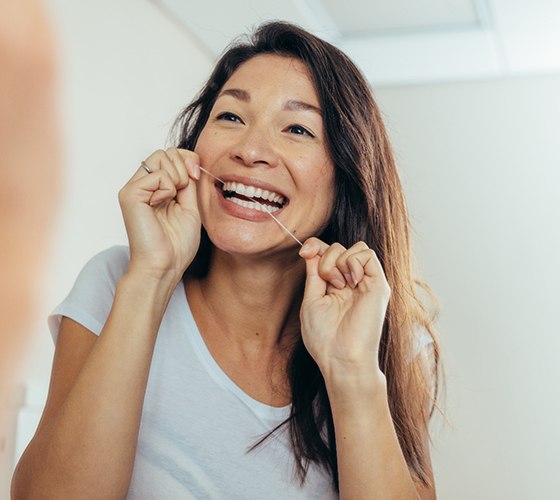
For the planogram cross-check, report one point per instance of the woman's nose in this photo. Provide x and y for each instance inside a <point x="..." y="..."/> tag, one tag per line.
<point x="255" y="147"/>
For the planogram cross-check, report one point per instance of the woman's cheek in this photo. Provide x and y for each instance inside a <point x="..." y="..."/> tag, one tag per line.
<point x="209" y="146"/>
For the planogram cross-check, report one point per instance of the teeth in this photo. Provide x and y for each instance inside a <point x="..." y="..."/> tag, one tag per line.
<point x="253" y="192"/>
<point x="254" y="206"/>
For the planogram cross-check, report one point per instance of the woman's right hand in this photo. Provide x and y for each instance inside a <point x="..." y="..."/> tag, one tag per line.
<point x="161" y="215"/>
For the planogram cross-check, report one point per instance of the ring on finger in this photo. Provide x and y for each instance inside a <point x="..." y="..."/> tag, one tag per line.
<point x="145" y="167"/>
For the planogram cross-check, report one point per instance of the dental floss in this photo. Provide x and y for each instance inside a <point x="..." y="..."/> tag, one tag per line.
<point x="258" y="203"/>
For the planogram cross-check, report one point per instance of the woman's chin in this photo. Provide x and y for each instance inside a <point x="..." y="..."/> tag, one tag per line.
<point x="234" y="240"/>
<point x="238" y="242"/>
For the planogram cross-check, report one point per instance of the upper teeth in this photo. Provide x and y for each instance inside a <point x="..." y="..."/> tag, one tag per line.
<point x="253" y="192"/>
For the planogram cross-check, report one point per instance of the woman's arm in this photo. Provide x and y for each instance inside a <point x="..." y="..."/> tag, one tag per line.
<point x="86" y="441"/>
<point x="371" y="464"/>
<point x="342" y="316"/>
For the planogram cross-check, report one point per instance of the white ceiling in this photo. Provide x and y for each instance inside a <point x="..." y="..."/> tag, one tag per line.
<point x="399" y="42"/>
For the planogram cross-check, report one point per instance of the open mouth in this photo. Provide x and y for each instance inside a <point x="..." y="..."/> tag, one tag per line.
<point x="253" y="197"/>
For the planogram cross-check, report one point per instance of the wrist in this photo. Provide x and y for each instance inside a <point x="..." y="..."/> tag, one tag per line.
<point x="154" y="275"/>
<point x="352" y="383"/>
<point x="343" y="371"/>
<point x="356" y="399"/>
<point x="146" y="286"/>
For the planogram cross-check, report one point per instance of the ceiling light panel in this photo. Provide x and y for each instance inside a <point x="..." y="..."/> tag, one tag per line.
<point x="378" y="17"/>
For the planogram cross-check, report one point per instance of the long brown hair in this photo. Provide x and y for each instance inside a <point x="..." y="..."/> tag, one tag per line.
<point x="368" y="205"/>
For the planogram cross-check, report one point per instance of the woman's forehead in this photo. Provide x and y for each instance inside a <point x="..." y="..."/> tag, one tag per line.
<point x="285" y="74"/>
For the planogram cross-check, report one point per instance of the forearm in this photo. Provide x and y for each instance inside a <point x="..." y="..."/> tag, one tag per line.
<point x="87" y="449"/>
<point x="371" y="464"/>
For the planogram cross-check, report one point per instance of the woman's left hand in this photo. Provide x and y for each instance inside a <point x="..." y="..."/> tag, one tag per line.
<point x="344" y="306"/>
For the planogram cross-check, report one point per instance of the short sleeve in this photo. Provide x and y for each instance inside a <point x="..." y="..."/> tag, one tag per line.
<point x="91" y="298"/>
<point x="422" y="340"/>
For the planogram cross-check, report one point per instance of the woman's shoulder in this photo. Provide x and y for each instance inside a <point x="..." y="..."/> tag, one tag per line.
<point x="107" y="266"/>
<point x="90" y="298"/>
<point x="421" y="342"/>
<point x="113" y="260"/>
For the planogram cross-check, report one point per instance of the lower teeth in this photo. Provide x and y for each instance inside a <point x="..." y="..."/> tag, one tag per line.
<point x="255" y="205"/>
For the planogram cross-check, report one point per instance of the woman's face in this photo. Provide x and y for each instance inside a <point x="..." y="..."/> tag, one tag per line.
<point x="265" y="139"/>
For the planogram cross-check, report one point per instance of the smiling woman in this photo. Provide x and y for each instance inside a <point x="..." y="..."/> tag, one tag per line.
<point x="214" y="357"/>
<point x="256" y="124"/>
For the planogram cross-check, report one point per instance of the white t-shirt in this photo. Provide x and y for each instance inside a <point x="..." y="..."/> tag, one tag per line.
<point x="196" y="422"/>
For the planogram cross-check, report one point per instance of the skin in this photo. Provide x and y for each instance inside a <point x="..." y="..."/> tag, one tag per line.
<point x="254" y="136"/>
<point x="29" y="172"/>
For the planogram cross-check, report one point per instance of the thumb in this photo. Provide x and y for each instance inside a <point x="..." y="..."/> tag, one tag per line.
<point x="315" y="286"/>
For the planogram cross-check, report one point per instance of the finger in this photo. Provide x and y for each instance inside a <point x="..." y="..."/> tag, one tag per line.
<point x="313" y="246"/>
<point x="154" y="188"/>
<point x="343" y="265"/>
<point x="367" y="268"/>
<point x="315" y="286"/>
<point x="166" y="163"/>
<point x="327" y="266"/>
<point x="187" y="197"/>
<point x="356" y="269"/>
<point x="142" y="172"/>
<point x="153" y="162"/>
<point x="166" y="192"/>
<point x="180" y="168"/>
<point x="191" y="161"/>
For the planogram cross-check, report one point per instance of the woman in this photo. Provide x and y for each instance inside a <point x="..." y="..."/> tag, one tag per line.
<point x="231" y="363"/>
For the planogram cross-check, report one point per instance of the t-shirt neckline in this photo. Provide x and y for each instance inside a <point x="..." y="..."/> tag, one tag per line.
<point x="267" y="412"/>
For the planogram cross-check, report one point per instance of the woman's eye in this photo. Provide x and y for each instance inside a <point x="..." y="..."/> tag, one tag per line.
<point x="299" y="130"/>
<point x="230" y="117"/>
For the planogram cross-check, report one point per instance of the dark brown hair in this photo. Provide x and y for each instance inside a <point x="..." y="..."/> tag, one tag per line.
<point x="368" y="206"/>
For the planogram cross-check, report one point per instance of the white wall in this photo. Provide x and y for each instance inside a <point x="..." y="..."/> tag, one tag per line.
<point x="480" y="164"/>
<point x="127" y="71"/>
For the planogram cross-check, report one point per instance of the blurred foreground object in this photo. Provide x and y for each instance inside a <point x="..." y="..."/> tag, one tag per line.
<point x="29" y="171"/>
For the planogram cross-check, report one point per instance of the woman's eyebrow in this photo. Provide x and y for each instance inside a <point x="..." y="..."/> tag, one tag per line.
<point x="293" y="105"/>
<point x="290" y="105"/>
<point x="242" y="95"/>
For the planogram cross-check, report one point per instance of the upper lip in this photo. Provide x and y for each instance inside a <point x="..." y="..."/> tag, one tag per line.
<point x="248" y="181"/>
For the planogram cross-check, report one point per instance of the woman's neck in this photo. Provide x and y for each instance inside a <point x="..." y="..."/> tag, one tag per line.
<point x="255" y="302"/>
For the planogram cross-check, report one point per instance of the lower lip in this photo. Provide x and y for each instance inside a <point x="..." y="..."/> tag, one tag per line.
<point x="240" y="212"/>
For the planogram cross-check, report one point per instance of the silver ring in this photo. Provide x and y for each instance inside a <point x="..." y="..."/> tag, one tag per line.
<point x="145" y="167"/>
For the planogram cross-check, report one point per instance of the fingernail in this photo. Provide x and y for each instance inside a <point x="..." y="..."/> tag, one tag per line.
<point x="354" y="279"/>
<point x="197" y="172"/>
<point x="350" y="279"/>
<point x="304" y="248"/>
<point x="339" y="283"/>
